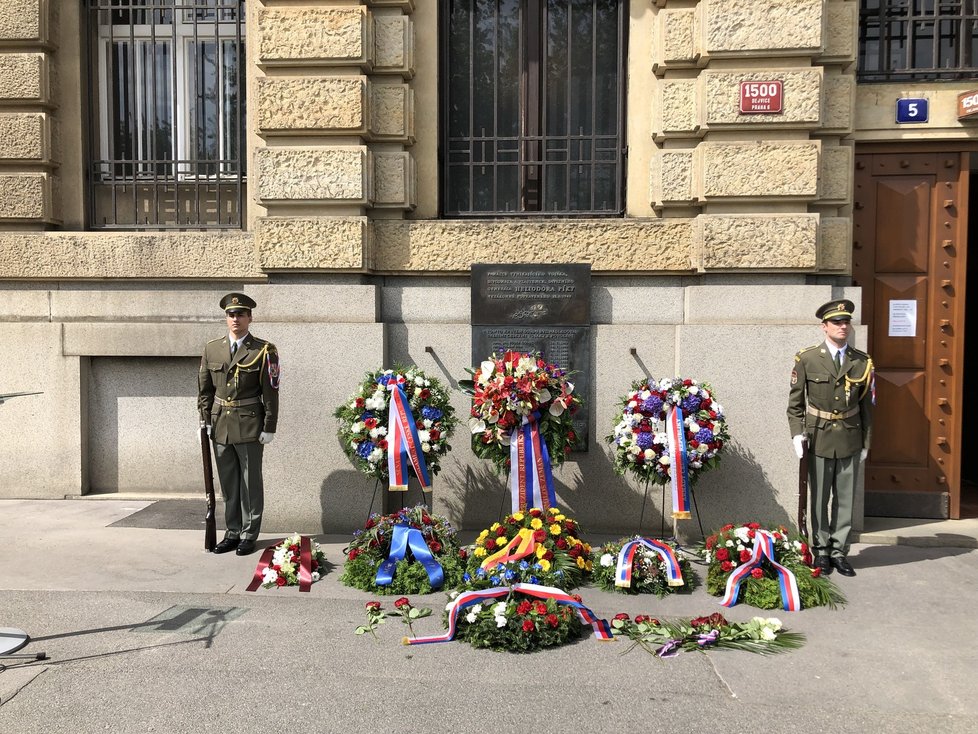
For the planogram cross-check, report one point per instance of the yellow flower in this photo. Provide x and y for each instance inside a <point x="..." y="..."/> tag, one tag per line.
<point x="544" y="564"/>
<point x="555" y="529"/>
<point x="541" y="551"/>
<point x="484" y="533"/>
<point x="536" y="523"/>
<point x="493" y="527"/>
<point x="479" y="552"/>
<point x="553" y="511"/>
<point x="518" y="516"/>
<point x="560" y="518"/>
<point x="588" y="566"/>
<point x="580" y="562"/>
<point x="587" y="548"/>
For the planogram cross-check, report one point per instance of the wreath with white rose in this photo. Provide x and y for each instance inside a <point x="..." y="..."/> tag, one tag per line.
<point x="640" y="439"/>
<point x="364" y="419"/>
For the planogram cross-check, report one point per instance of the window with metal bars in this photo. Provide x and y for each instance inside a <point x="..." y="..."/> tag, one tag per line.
<point x="166" y="114"/>
<point x="906" y="40"/>
<point x="532" y="107"/>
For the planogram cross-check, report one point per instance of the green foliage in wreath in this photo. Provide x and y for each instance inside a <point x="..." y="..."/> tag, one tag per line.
<point x="648" y="571"/>
<point x="731" y="546"/>
<point x="371" y="546"/>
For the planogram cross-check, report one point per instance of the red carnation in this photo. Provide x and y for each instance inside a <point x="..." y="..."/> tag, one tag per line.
<point x="726" y="566"/>
<point x="402" y="602"/>
<point x="723" y="554"/>
<point x="360" y="402"/>
<point x="713" y="414"/>
<point x="574" y="552"/>
<point x="751" y="533"/>
<point x="373" y="606"/>
<point x="539" y="607"/>
<point x="561" y="543"/>
<point x="639" y="618"/>
<point x="535" y="512"/>
<point x="500" y="531"/>
<point x="370" y="423"/>
<point x="725" y="528"/>
<point x="523" y="607"/>
<point x="711" y="542"/>
<point x="490" y="545"/>
<point x="552" y="620"/>
<point x="425" y="393"/>
<point x="539" y="535"/>
<point x="435" y="546"/>
<point x="816" y="572"/>
<point x="434" y="434"/>
<point x="570" y="525"/>
<point x="687" y="382"/>
<point x="280" y="581"/>
<point x="754" y="525"/>
<point x="757" y="573"/>
<point x="528" y="625"/>
<point x="354" y="552"/>
<point x="370" y="523"/>
<point x="462" y="553"/>
<point x="548" y="556"/>
<point x="382" y="444"/>
<point x="622" y="617"/>
<point x="744" y="556"/>
<point x="571" y="436"/>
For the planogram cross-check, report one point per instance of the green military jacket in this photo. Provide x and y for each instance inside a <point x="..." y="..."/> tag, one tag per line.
<point x="833" y="408"/>
<point x="238" y="397"/>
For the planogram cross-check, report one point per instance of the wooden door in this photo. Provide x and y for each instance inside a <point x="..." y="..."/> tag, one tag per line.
<point x="909" y="246"/>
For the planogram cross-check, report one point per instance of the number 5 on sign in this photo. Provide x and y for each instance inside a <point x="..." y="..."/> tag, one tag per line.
<point x="911" y="110"/>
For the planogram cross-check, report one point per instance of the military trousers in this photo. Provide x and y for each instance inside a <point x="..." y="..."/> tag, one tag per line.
<point x="832" y="484"/>
<point x="239" y="471"/>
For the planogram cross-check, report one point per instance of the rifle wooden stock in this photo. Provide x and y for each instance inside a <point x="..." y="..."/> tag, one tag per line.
<point x="803" y="492"/>
<point x="210" y="522"/>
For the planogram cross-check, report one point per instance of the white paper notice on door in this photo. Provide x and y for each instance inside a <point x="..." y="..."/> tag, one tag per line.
<point x="903" y="318"/>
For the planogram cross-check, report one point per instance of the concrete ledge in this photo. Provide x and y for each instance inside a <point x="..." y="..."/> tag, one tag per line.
<point x="17" y="304"/>
<point x="759" y="304"/>
<point x="136" y="340"/>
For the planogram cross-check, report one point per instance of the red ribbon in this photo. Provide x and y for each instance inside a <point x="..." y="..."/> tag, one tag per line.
<point x="305" y="564"/>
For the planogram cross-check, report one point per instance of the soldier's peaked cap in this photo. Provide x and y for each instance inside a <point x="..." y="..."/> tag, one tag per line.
<point x="838" y="309"/>
<point x="237" y="301"/>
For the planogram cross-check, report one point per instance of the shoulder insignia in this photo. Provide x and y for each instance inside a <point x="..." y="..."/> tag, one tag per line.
<point x="858" y="352"/>
<point x="802" y="351"/>
<point x="219" y="339"/>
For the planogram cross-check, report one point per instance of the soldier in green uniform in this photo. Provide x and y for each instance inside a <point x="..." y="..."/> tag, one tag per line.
<point x="238" y="402"/>
<point x="830" y="406"/>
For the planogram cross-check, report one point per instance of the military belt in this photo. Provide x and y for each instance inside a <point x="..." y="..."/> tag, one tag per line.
<point x="832" y="416"/>
<point x="237" y="403"/>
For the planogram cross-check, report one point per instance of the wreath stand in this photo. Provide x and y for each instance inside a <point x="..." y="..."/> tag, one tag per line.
<point x="662" y="526"/>
<point x="424" y="499"/>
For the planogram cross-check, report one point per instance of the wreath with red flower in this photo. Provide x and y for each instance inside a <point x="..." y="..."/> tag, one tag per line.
<point x="516" y="386"/>
<point x="371" y="546"/>
<point x="640" y="438"/>
<point x="364" y="419"/>
<point x="649" y="574"/>
<point x="732" y="546"/>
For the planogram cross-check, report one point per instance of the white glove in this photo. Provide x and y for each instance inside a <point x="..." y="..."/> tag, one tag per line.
<point x="265" y="438"/>
<point x="799" y="442"/>
<point x="208" y="429"/>
<point x="863" y="454"/>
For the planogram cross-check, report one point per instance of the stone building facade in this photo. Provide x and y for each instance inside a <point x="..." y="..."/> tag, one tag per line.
<point x="734" y="228"/>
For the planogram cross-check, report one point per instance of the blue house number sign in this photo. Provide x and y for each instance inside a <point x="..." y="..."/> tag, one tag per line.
<point x="911" y="110"/>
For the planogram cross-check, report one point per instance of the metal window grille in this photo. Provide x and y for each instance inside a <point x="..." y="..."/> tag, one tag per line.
<point x="532" y="107"/>
<point x="166" y="114"/>
<point x="906" y="40"/>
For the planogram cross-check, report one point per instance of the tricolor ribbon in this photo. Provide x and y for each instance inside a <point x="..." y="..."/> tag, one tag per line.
<point x="678" y="463"/>
<point x="405" y="537"/>
<point x="626" y="556"/>
<point x="531" y="478"/>
<point x="469" y="598"/>
<point x="305" y="564"/>
<point x="403" y="444"/>
<point x="763" y="547"/>
<point x="518" y="548"/>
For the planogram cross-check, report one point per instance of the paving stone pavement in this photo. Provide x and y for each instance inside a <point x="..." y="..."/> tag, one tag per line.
<point x="147" y="633"/>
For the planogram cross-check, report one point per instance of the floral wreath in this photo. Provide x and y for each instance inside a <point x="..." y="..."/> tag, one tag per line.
<point x="371" y="546"/>
<point x="732" y="546"/>
<point x="649" y="575"/>
<point x="552" y="553"/>
<point x="283" y="570"/>
<point x="667" y="638"/>
<point x="507" y="389"/>
<point x="364" y="419"/>
<point x="518" y="623"/>
<point x="641" y="441"/>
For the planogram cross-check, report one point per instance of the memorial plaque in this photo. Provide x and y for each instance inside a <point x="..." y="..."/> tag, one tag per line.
<point x="537" y="308"/>
<point x="531" y="294"/>
<point x="568" y="347"/>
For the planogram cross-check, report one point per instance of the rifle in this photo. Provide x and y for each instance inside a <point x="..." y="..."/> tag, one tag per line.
<point x="803" y="492"/>
<point x="210" y="522"/>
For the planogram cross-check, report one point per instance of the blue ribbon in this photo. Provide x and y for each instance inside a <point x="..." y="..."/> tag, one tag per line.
<point x="405" y="537"/>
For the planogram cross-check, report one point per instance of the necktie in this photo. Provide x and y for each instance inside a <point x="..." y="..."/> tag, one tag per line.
<point x="838" y="360"/>
<point x="234" y="348"/>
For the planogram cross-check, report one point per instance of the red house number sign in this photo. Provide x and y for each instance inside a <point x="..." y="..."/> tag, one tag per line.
<point x="761" y="97"/>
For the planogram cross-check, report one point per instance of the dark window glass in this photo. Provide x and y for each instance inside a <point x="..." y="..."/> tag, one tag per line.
<point x="532" y="120"/>
<point x="166" y="113"/>
<point x="906" y="40"/>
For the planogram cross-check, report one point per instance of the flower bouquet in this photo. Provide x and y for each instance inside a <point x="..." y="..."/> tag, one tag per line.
<point x="732" y="550"/>
<point x="369" y="553"/>
<point x="666" y="639"/>
<point x="283" y="568"/>
<point x="655" y="568"/>
<point x="365" y="420"/>
<point x="641" y="441"/>
<point x="536" y="546"/>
